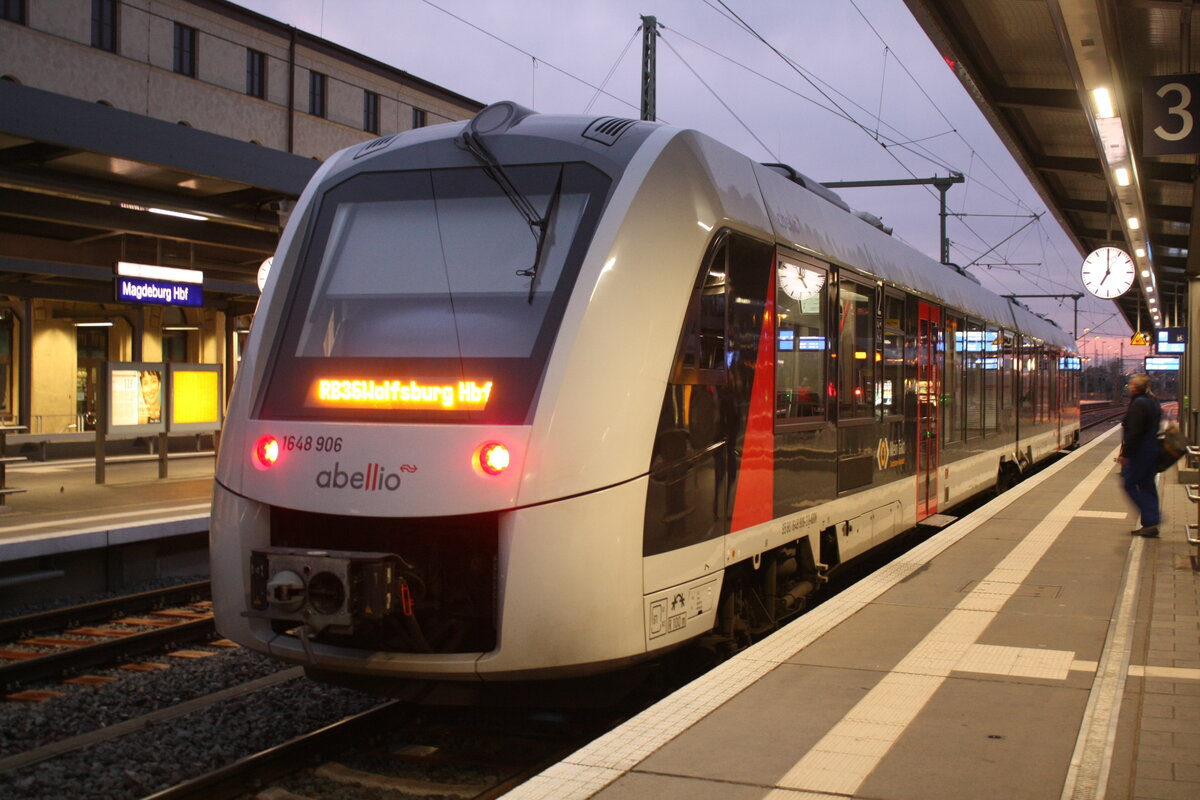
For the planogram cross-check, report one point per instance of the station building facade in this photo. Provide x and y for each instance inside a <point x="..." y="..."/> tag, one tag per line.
<point x="167" y="133"/>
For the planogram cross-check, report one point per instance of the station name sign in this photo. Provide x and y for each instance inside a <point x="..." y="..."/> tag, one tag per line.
<point x="169" y="286"/>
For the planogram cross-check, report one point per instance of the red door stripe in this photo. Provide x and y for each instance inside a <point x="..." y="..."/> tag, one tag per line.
<point x="754" y="501"/>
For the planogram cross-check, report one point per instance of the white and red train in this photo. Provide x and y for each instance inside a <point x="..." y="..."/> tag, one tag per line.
<point x="540" y="396"/>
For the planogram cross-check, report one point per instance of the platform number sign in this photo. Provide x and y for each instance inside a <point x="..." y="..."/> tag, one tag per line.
<point x="1171" y="114"/>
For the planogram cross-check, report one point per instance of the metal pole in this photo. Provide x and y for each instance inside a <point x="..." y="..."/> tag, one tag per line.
<point x="649" y="45"/>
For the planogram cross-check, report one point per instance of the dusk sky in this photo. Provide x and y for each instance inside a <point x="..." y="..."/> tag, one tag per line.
<point x="865" y="97"/>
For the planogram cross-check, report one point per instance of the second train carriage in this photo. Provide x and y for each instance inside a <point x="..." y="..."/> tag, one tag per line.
<point x="538" y="396"/>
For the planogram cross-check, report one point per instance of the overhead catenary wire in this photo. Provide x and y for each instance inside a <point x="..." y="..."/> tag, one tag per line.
<point x="612" y="70"/>
<point x="722" y="102"/>
<point x="526" y="53"/>
<point x="731" y="15"/>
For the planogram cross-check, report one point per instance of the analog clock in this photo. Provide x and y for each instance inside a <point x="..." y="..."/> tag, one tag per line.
<point x="1108" y="272"/>
<point x="800" y="282"/>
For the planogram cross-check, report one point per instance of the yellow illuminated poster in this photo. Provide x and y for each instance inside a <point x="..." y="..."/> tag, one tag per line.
<point x="195" y="397"/>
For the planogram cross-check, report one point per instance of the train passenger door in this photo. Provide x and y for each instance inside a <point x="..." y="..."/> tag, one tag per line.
<point x="929" y="387"/>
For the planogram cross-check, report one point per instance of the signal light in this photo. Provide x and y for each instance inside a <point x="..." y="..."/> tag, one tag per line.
<point x="494" y="458"/>
<point x="265" y="452"/>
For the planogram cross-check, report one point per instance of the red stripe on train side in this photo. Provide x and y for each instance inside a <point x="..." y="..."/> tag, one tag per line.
<point x="754" y="501"/>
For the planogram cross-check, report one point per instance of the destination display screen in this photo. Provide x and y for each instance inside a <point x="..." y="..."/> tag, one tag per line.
<point x="399" y="393"/>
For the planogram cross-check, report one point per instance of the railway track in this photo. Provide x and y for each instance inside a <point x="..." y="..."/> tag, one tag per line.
<point x="427" y="752"/>
<point x="1098" y="415"/>
<point x="62" y="642"/>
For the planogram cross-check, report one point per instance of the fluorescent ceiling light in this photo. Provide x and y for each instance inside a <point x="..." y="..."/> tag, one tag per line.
<point x="1134" y="223"/>
<point x="182" y="215"/>
<point x="1104" y="104"/>
<point x="181" y="327"/>
<point x="1122" y="175"/>
<point x="93" y="324"/>
<point x="1141" y="251"/>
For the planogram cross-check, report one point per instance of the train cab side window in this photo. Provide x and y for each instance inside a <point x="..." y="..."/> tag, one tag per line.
<point x="801" y="292"/>
<point x="889" y="390"/>
<point x="700" y="357"/>
<point x="855" y="349"/>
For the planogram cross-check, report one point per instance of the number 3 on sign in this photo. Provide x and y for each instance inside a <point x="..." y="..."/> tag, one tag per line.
<point x="1177" y="110"/>
<point x="1168" y="118"/>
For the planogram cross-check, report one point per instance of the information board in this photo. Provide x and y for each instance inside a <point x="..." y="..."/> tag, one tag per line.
<point x="134" y="394"/>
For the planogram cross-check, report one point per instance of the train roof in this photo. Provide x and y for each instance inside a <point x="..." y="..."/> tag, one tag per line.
<point x="804" y="214"/>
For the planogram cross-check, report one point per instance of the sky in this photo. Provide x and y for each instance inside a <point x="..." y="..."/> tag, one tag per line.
<point x="842" y="90"/>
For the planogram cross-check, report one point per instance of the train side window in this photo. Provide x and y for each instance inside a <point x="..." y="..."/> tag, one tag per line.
<point x="701" y="352"/>
<point x="952" y="395"/>
<point x="973" y="378"/>
<point x="856" y="349"/>
<point x="801" y="292"/>
<point x="991" y="379"/>
<point x="889" y="390"/>
<point x="1027" y="381"/>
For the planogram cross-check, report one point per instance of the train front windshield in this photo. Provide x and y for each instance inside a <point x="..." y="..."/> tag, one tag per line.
<point x="418" y="297"/>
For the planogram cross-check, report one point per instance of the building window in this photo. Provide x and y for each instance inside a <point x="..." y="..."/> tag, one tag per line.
<point x="13" y="11"/>
<point x="104" y="25"/>
<point x="185" y="50"/>
<point x="418" y="118"/>
<point x="256" y="73"/>
<point x="370" y="112"/>
<point x="316" y="94"/>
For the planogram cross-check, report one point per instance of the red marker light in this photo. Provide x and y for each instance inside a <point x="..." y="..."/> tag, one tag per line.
<point x="265" y="452"/>
<point x="493" y="458"/>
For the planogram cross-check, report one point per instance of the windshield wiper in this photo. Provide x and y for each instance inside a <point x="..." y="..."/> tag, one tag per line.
<point x="544" y="226"/>
<point x="539" y="225"/>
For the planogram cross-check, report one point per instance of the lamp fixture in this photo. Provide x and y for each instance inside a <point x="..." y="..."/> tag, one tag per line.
<point x="1104" y="104"/>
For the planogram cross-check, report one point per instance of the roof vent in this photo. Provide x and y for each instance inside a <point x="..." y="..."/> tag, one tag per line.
<point x="606" y="130"/>
<point x="372" y="146"/>
<point x="800" y="179"/>
<point x="873" y="221"/>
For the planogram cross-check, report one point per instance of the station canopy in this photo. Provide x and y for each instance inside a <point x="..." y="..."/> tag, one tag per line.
<point x="1040" y="71"/>
<point x="84" y="185"/>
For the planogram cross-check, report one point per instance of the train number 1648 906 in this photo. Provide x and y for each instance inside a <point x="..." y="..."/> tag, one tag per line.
<point x="322" y="444"/>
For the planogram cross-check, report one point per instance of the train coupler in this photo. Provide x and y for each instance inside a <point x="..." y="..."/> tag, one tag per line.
<point x="327" y="589"/>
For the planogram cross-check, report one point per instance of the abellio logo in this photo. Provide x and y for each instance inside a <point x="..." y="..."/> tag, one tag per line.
<point x="374" y="478"/>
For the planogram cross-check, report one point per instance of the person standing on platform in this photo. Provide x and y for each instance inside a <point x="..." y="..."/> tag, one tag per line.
<point x="1139" y="453"/>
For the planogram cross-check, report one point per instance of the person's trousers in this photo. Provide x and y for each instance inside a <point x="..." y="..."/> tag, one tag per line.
<point x="1138" y="477"/>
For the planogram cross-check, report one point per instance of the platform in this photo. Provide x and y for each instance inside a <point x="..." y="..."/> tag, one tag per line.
<point x="1034" y="649"/>
<point x="64" y="510"/>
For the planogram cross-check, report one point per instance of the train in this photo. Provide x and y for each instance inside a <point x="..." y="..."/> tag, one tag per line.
<point x="532" y="397"/>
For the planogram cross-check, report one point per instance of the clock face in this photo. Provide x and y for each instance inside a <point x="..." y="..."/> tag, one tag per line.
<point x="1108" y="272"/>
<point x="799" y="282"/>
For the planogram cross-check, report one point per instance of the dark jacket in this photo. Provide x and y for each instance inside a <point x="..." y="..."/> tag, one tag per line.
<point x="1141" y="427"/>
